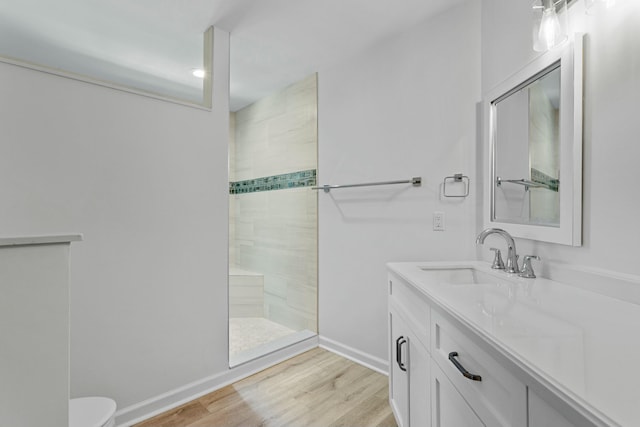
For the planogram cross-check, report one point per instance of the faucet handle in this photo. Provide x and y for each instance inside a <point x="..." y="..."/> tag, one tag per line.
<point x="498" y="264"/>
<point x="527" y="269"/>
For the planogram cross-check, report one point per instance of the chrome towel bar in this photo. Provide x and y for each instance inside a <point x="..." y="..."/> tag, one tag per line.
<point x="526" y="183"/>
<point x="416" y="181"/>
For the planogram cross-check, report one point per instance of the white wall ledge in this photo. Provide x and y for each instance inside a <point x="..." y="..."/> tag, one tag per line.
<point x="40" y="240"/>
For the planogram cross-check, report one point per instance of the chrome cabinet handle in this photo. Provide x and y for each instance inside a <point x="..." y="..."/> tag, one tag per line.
<point x="463" y="371"/>
<point x="401" y="340"/>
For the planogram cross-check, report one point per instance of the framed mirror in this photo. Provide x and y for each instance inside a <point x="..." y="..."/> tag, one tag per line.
<point x="533" y="136"/>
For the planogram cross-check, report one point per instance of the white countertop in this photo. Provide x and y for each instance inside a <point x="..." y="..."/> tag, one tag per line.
<point x="581" y="344"/>
<point x="39" y="240"/>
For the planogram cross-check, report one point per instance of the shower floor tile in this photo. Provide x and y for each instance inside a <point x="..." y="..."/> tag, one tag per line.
<point x="247" y="333"/>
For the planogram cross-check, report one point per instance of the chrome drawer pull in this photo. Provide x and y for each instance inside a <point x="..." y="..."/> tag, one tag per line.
<point x="463" y="371"/>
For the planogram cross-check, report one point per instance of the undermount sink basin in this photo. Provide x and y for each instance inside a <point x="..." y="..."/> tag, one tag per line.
<point x="505" y="304"/>
<point x="463" y="275"/>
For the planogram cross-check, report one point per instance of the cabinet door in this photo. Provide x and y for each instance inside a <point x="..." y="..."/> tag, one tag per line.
<point x="449" y="409"/>
<point x="419" y="384"/>
<point x="398" y="372"/>
<point x="541" y="414"/>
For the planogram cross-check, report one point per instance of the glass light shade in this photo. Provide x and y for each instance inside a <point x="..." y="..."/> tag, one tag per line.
<point x="594" y="7"/>
<point x="550" y="24"/>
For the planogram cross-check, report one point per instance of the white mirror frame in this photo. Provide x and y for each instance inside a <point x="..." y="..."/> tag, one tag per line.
<point x="570" y="230"/>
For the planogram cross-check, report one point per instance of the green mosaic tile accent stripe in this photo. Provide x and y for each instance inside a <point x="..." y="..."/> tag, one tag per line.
<point x="542" y="178"/>
<point x="276" y="182"/>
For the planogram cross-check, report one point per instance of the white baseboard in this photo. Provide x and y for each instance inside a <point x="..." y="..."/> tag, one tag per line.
<point x="371" y="362"/>
<point x="146" y="409"/>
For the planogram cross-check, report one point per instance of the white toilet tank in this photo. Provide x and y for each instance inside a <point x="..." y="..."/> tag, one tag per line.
<point x="92" y="412"/>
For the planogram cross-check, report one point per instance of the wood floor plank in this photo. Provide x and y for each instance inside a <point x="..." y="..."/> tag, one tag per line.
<point x="337" y="395"/>
<point x="274" y="394"/>
<point x="372" y="411"/>
<point x="388" y="421"/>
<point x="180" y="416"/>
<point x="314" y="389"/>
<point x="327" y="395"/>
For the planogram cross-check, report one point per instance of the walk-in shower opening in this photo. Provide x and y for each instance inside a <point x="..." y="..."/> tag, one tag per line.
<point x="273" y="246"/>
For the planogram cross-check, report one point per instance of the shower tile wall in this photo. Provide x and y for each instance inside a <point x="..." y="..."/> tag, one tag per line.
<point x="274" y="232"/>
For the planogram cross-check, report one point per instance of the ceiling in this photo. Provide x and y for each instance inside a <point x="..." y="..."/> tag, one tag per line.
<point x="273" y="42"/>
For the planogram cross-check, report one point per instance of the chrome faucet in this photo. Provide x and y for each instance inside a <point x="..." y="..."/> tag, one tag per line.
<point x="512" y="257"/>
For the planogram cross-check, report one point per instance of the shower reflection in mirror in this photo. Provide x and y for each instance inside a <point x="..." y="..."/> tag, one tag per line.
<point x="527" y="151"/>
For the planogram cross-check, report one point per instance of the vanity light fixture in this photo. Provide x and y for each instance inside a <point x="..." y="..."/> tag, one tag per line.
<point x="550" y="24"/>
<point x="198" y="72"/>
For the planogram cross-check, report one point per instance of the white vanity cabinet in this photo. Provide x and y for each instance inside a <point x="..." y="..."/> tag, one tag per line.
<point x="398" y="363"/>
<point x="469" y="346"/>
<point x="442" y="375"/>
<point x="409" y="385"/>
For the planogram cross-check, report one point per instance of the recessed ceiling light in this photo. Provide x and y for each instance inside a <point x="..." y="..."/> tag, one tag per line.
<point x="198" y="72"/>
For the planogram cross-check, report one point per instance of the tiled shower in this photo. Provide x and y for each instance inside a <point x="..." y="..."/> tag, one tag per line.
<point x="273" y="246"/>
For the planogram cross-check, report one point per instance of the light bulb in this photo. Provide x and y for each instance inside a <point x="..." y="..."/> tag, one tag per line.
<point x="550" y="24"/>
<point x="549" y="28"/>
<point x="198" y="72"/>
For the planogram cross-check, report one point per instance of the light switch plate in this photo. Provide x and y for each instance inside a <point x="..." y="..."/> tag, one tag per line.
<point x="438" y="221"/>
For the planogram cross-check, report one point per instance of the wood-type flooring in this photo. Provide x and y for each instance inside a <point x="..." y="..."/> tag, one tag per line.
<point x="314" y="389"/>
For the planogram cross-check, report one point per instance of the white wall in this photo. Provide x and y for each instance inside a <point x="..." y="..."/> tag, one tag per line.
<point x="146" y="182"/>
<point x="611" y="126"/>
<point x="403" y="108"/>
